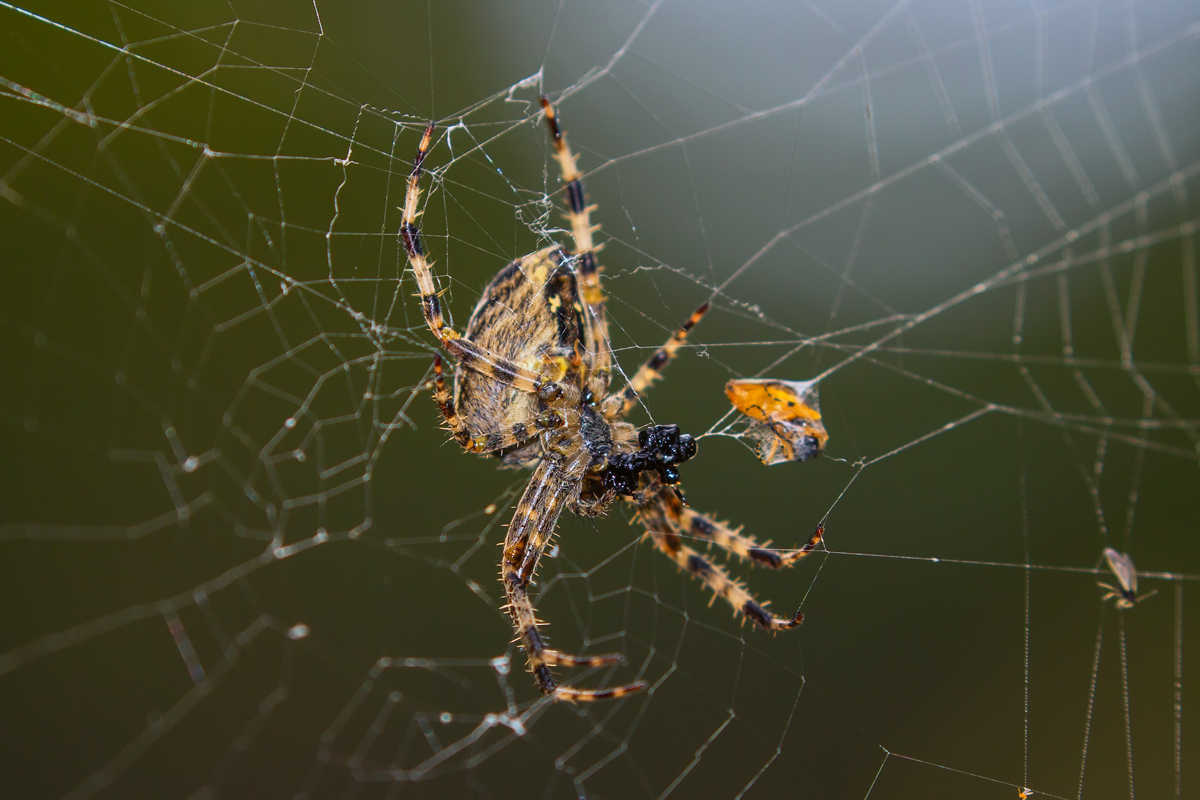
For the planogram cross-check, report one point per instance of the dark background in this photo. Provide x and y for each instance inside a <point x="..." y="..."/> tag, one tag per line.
<point x="214" y="428"/>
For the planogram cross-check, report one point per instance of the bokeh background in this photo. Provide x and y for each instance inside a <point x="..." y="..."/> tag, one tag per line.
<point x="238" y="558"/>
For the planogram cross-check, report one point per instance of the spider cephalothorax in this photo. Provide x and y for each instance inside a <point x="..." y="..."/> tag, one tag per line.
<point x="661" y="448"/>
<point x="532" y="388"/>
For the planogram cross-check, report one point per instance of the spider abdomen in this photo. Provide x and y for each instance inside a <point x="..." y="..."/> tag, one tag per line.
<point x="528" y="313"/>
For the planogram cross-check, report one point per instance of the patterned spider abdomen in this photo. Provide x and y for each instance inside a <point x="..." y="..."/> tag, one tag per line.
<point x="529" y="313"/>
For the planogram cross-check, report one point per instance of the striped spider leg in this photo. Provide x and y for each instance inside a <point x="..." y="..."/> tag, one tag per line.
<point x="579" y="216"/>
<point x="651" y="371"/>
<point x="669" y="522"/>
<point x="468" y="352"/>
<point x="556" y="480"/>
<point x="675" y="516"/>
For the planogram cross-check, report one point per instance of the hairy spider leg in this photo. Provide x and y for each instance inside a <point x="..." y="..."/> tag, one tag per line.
<point x="445" y="404"/>
<point x="652" y="370"/>
<point x="667" y="538"/>
<point x="552" y="488"/>
<point x="468" y="353"/>
<point x="596" y="321"/>
<point x="488" y="442"/>
<point x="579" y="215"/>
<point x="701" y="526"/>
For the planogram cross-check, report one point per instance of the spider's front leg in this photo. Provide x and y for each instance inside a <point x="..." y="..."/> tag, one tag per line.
<point x="662" y="520"/>
<point x="684" y="519"/>
<point x="554" y="485"/>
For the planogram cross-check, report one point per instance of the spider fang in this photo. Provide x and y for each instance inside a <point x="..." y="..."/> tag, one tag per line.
<point x="662" y="447"/>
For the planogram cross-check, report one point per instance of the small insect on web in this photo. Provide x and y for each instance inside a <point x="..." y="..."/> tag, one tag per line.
<point x="782" y="418"/>
<point x="1122" y="566"/>
<point x="532" y="388"/>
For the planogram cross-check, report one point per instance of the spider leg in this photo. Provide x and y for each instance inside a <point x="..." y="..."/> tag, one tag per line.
<point x="550" y="490"/>
<point x="445" y="404"/>
<point x="579" y="215"/>
<point x="667" y="537"/>
<point x="685" y="519"/>
<point x="489" y="442"/>
<point x="651" y="371"/>
<point x="468" y="353"/>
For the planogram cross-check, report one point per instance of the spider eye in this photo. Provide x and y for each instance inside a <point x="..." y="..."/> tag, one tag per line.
<point x="589" y="399"/>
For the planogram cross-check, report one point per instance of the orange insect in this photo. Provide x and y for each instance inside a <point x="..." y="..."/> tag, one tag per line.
<point x="785" y="423"/>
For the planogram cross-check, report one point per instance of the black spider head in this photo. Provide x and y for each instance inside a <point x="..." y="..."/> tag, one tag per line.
<point x="662" y="447"/>
<point x="666" y="444"/>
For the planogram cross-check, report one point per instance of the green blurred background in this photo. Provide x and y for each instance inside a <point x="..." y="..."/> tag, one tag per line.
<point x="238" y="559"/>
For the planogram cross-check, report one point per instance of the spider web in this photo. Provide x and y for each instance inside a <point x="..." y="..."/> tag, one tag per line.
<point x="239" y="559"/>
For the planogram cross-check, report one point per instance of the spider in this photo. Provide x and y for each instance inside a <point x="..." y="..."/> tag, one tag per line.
<point x="532" y="388"/>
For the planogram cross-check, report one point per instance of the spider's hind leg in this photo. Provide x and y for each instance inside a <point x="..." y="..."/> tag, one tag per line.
<point x="445" y="404"/>
<point x="579" y="215"/>
<point x="467" y="352"/>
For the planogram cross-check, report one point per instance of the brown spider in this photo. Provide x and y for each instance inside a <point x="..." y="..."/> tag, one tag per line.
<point x="531" y="388"/>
